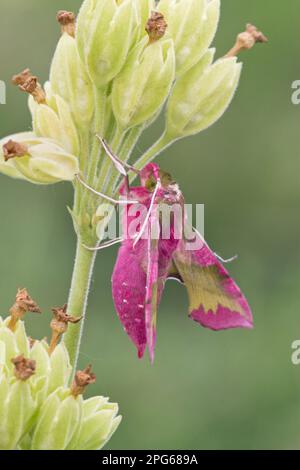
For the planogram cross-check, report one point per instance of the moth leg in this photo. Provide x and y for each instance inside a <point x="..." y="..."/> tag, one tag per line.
<point x="145" y="223"/>
<point x="122" y="167"/>
<point x="104" y="196"/>
<point x="104" y="245"/>
<point x="226" y="261"/>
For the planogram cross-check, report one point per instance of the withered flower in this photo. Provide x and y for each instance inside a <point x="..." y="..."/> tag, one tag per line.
<point x="24" y="368"/>
<point x="13" y="149"/>
<point x="67" y="21"/>
<point x="21" y="77"/>
<point x="247" y="40"/>
<point x="156" y="26"/>
<point x="59" y="324"/>
<point x="29" y="84"/>
<point x="82" y="379"/>
<point x="23" y="304"/>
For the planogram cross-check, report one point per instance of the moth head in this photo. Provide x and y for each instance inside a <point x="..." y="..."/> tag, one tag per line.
<point x="151" y="174"/>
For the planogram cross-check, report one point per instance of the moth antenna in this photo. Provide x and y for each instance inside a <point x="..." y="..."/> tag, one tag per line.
<point x="104" y="196"/>
<point x="104" y="245"/>
<point x="226" y="261"/>
<point x="143" y="228"/>
<point x="122" y="167"/>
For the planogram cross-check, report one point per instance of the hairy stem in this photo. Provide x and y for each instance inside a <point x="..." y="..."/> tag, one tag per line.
<point x="78" y="297"/>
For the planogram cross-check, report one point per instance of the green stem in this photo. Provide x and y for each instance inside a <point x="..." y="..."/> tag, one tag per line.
<point x="161" y="144"/>
<point x="77" y="304"/>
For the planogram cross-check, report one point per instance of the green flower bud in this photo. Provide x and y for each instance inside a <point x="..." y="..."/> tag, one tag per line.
<point x="38" y="411"/>
<point x="70" y="81"/>
<point x="21" y="339"/>
<point x="192" y="24"/>
<point x="56" y="367"/>
<point x="58" y="420"/>
<point x="105" y="33"/>
<point x="9" y="348"/>
<point x="99" y="422"/>
<point x="58" y="126"/>
<point x="201" y="96"/>
<point x="17" y="407"/>
<point x="144" y="9"/>
<point x="37" y="159"/>
<point x="60" y="368"/>
<point x="144" y="84"/>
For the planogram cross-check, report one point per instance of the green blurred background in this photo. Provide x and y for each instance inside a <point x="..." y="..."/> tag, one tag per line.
<point x="228" y="390"/>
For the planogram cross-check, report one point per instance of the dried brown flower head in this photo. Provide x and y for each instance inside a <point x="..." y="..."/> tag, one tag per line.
<point x="22" y="77"/>
<point x="23" y="304"/>
<point x="59" y="324"/>
<point x="13" y="149"/>
<point x="67" y="20"/>
<point x="29" y="84"/>
<point x="156" y="26"/>
<point x="82" y="379"/>
<point x="24" y="368"/>
<point x="247" y="40"/>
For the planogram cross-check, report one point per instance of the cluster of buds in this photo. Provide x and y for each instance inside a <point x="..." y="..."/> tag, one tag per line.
<point x="115" y="67"/>
<point x="38" y="408"/>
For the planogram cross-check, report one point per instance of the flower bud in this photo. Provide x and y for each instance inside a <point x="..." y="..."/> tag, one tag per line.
<point x="56" y="367"/>
<point x="42" y="162"/>
<point x="144" y="84"/>
<point x="16" y="409"/>
<point x="201" y="96"/>
<point x="70" y="81"/>
<point x="99" y="422"/>
<point x="17" y="405"/>
<point x="38" y="411"/>
<point x="144" y="9"/>
<point x="60" y="368"/>
<point x="9" y="347"/>
<point x="58" y="420"/>
<point x="105" y="33"/>
<point x="192" y="26"/>
<point x="56" y="125"/>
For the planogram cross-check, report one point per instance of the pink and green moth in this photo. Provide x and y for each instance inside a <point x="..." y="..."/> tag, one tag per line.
<point x="145" y="263"/>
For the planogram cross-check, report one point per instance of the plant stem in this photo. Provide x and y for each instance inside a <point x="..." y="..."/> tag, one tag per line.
<point x="78" y="297"/>
<point x="162" y="143"/>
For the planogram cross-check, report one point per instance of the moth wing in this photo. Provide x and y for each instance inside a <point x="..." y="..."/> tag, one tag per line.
<point x="216" y="301"/>
<point x="154" y="285"/>
<point x="129" y="288"/>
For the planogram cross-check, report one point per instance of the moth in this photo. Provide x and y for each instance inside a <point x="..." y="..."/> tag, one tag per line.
<point x="146" y="260"/>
